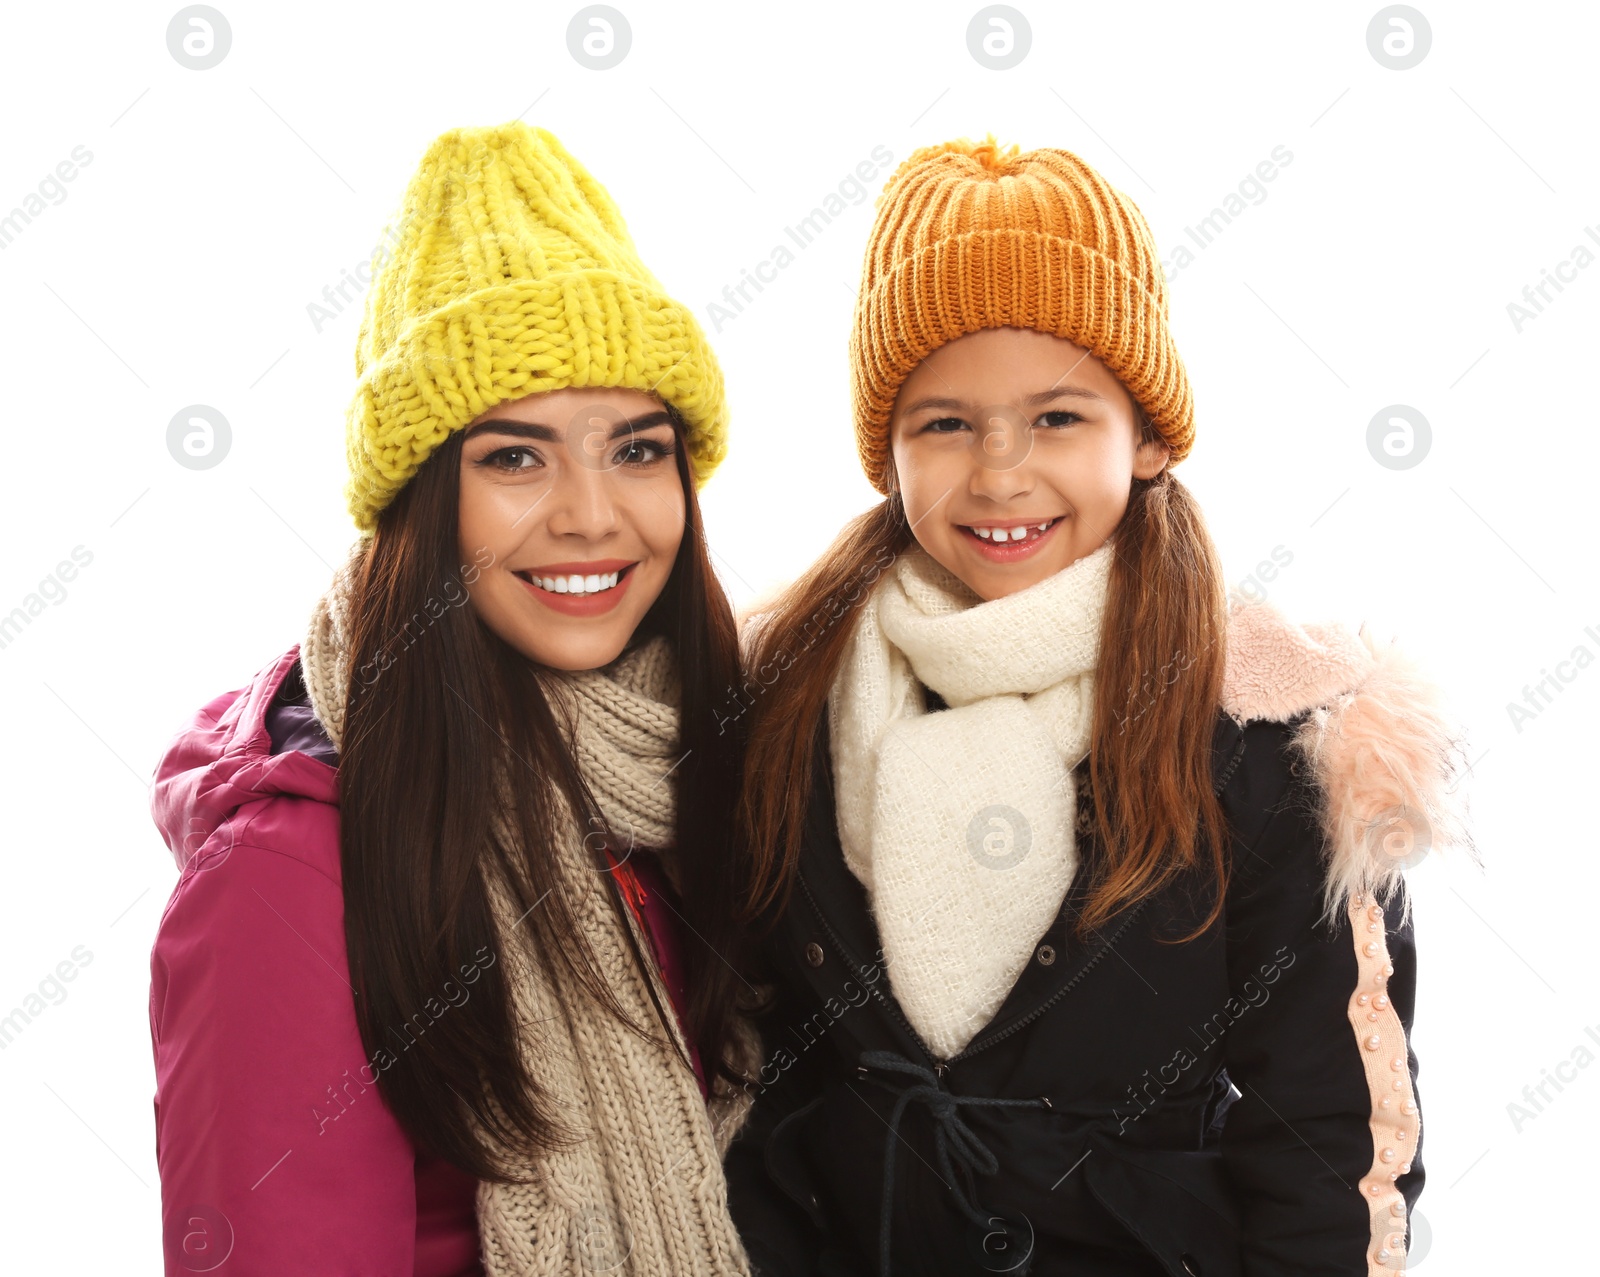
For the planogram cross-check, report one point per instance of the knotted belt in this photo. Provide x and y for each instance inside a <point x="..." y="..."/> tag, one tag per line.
<point x="954" y="1142"/>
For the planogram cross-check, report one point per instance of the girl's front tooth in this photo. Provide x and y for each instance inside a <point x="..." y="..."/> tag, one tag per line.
<point x="574" y="584"/>
<point x="983" y="532"/>
<point x="561" y="585"/>
<point x="591" y="583"/>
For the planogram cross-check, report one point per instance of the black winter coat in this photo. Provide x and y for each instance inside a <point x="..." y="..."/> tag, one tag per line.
<point x="1195" y="1110"/>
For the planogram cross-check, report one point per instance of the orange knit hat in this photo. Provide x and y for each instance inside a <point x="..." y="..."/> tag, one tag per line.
<point x="969" y="236"/>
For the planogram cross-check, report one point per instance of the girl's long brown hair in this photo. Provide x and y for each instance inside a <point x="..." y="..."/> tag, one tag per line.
<point x="438" y="706"/>
<point x="1157" y="691"/>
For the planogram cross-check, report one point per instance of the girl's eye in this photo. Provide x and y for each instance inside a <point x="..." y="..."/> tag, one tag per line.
<point x="519" y="458"/>
<point x="951" y="425"/>
<point x="642" y="452"/>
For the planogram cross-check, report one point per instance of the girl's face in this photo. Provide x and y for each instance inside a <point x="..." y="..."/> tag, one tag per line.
<point x="573" y="499"/>
<point x="1014" y="452"/>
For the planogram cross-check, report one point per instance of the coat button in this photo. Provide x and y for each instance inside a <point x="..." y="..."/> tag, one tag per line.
<point x="1046" y="954"/>
<point x="814" y="954"/>
<point x="1190" y="1264"/>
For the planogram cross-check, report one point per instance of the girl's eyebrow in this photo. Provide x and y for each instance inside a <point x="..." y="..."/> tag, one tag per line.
<point x="1058" y="392"/>
<point x="549" y="434"/>
<point x="1032" y="401"/>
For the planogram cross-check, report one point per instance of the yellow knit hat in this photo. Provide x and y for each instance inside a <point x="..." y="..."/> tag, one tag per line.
<point x="968" y="236"/>
<point x="512" y="273"/>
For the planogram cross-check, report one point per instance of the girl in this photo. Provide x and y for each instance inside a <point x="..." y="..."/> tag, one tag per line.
<point x="445" y="984"/>
<point x="1082" y="883"/>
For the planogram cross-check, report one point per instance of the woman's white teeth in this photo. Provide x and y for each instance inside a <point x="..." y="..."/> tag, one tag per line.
<point x="575" y="584"/>
<point x="1002" y="535"/>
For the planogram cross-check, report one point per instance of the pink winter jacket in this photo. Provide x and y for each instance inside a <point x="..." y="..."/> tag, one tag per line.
<point x="275" y="1159"/>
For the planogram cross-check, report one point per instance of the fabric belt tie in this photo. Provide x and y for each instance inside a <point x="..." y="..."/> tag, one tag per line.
<point x="954" y="1141"/>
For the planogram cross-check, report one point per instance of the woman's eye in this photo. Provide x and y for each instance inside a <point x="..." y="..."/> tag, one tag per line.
<point x="945" y="425"/>
<point x="1061" y="418"/>
<point x="513" y="459"/>
<point x="641" y="452"/>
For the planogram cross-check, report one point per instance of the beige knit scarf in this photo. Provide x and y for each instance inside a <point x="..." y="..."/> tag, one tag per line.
<point x="641" y="1190"/>
<point x="960" y="823"/>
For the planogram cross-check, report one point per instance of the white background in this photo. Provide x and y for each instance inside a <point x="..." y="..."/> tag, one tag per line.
<point x="218" y="204"/>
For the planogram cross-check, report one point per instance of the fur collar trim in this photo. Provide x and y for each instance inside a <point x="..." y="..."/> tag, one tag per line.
<point x="1387" y="758"/>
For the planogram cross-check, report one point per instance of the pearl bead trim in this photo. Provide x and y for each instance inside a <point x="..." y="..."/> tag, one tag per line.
<point x="1395" y="1122"/>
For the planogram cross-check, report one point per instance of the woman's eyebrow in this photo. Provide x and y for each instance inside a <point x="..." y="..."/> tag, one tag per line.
<point x="646" y="422"/>
<point x="549" y="434"/>
<point x="517" y="429"/>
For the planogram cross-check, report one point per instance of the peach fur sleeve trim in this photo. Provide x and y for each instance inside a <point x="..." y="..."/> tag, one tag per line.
<point x="1387" y="759"/>
<point x="1387" y="764"/>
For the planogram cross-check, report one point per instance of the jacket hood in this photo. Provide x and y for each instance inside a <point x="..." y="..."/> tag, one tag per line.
<point x="1373" y="728"/>
<point x="223" y="760"/>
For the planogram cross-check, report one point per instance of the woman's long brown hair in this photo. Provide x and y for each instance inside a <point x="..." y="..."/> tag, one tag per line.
<point x="1157" y="690"/>
<point x="437" y="707"/>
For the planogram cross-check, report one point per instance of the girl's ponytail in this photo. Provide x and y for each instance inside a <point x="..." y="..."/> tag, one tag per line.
<point x="1156" y="696"/>
<point x="792" y="653"/>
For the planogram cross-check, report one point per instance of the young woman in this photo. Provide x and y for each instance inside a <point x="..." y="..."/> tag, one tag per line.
<point x="1082" y="884"/>
<point x="445" y="984"/>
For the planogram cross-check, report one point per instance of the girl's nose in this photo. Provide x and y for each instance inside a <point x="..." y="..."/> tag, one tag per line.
<point x="1000" y="469"/>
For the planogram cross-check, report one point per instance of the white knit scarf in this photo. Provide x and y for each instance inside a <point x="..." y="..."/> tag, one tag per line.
<point x="641" y="1190"/>
<point x="960" y="823"/>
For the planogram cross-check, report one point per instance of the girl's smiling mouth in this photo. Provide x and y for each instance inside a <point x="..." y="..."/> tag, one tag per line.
<point x="1009" y="540"/>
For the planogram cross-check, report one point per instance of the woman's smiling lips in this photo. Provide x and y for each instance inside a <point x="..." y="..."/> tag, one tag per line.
<point x="1010" y="540"/>
<point x="588" y="588"/>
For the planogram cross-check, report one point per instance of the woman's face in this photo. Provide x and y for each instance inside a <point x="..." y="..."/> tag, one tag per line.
<point x="573" y="498"/>
<point x="1014" y="452"/>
